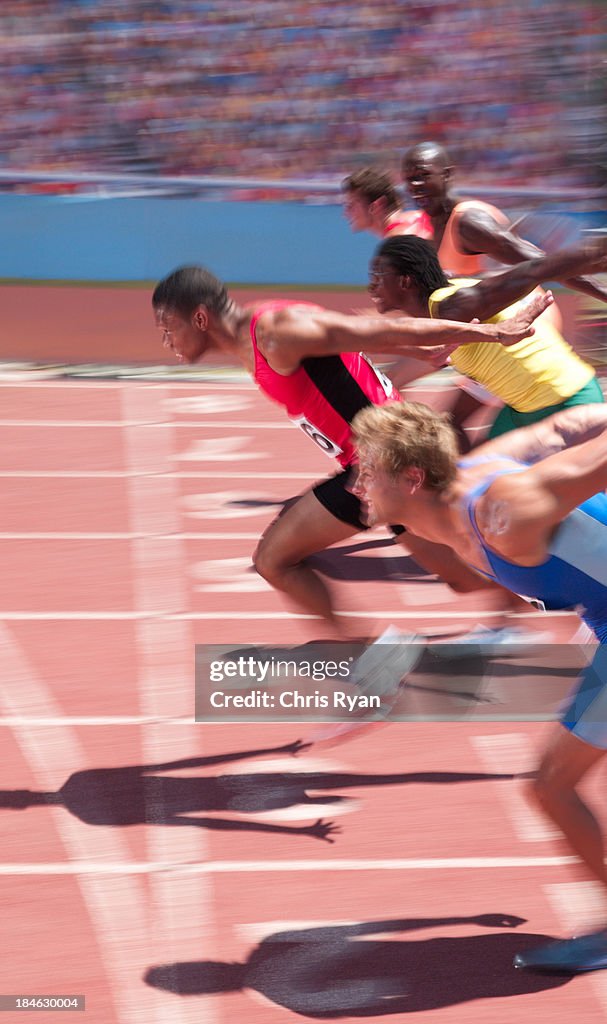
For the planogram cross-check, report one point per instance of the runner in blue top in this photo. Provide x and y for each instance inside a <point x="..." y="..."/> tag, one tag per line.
<point x="526" y="510"/>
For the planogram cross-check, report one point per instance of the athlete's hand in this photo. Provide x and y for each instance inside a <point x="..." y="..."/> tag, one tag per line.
<point x="294" y="748"/>
<point x="437" y="355"/>
<point x="322" y="830"/>
<point x="519" y="326"/>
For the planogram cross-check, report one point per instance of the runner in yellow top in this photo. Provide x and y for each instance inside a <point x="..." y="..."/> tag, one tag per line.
<point x="535" y="377"/>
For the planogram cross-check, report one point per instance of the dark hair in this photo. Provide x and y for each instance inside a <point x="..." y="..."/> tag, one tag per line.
<point x="189" y="287"/>
<point x="373" y="184"/>
<point x="408" y="254"/>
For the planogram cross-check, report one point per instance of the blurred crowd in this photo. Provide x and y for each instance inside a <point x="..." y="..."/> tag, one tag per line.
<point x="279" y="89"/>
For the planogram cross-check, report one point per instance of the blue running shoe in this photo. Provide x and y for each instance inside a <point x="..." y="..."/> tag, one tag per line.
<point x="568" y="956"/>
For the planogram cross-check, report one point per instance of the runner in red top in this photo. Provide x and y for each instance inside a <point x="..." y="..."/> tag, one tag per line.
<point x="308" y="360"/>
<point x="371" y="203"/>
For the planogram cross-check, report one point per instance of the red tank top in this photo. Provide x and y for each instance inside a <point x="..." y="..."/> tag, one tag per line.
<point x="414" y="222"/>
<point x="324" y="393"/>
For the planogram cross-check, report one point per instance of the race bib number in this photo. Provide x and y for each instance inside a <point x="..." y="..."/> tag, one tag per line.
<point x="385" y="382"/>
<point x="328" y="446"/>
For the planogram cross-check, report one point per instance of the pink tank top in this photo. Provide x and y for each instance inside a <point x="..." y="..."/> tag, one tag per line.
<point x="324" y="393"/>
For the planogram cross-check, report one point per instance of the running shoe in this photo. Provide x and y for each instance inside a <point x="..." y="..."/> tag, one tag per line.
<point x="570" y="956"/>
<point x="482" y="642"/>
<point x="380" y="669"/>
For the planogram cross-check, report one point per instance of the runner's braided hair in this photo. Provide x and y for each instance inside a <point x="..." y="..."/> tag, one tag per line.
<point x="415" y="257"/>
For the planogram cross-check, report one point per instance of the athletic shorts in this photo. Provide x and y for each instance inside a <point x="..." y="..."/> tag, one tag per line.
<point x="334" y="495"/>
<point x="586" y="714"/>
<point x="509" y="419"/>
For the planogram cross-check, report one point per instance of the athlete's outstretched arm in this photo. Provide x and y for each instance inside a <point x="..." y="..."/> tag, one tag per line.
<point x="487" y="297"/>
<point x="519" y="511"/>
<point x="481" y="233"/>
<point x="292" y="335"/>
<point x="565" y="429"/>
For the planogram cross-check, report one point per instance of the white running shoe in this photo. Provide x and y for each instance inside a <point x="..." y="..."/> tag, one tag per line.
<point x="482" y="642"/>
<point x="380" y="669"/>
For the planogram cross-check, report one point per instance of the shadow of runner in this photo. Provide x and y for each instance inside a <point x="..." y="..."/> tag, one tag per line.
<point x="331" y="971"/>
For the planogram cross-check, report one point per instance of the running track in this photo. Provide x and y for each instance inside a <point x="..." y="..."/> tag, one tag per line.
<point x="129" y="515"/>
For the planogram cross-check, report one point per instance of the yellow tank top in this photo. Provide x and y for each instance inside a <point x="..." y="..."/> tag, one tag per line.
<point x="539" y="371"/>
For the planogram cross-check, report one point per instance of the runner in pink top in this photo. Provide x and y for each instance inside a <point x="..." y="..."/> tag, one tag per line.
<point x="321" y="394"/>
<point x="308" y="360"/>
<point x="371" y="203"/>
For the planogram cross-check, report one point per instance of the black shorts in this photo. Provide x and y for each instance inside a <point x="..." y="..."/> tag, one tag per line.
<point x="334" y="495"/>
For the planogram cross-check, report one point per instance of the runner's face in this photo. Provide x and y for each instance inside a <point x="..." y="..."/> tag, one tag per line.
<point x="385" y="286"/>
<point x="186" y="341"/>
<point x="427" y="182"/>
<point x="379" y="494"/>
<point x="357" y="212"/>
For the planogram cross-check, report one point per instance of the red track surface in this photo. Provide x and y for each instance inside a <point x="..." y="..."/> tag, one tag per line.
<point x="129" y="515"/>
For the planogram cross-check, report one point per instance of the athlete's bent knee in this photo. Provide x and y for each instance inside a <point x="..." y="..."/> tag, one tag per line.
<point x="269" y="567"/>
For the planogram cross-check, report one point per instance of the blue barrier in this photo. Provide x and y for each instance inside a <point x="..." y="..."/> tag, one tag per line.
<point x="95" y="238"/>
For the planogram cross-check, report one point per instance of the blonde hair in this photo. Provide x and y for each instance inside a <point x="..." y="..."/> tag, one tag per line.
<point x="402" y="434"/>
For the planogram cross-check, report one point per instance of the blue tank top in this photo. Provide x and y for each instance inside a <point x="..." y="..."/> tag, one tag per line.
<point x="575" y="572"/>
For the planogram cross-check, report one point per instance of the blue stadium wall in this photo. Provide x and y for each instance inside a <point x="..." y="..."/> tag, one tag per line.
<point x="141" y="239"/>
<point x="85" y="238"/>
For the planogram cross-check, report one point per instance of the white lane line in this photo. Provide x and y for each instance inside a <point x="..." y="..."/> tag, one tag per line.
<point x="105" y="616"/>
<point x="120" y="474"/>
<point x="115" y="904"/>
<point x="16" y="721"/>
<point x="160" y="424"/>
<point x="137" y="535"/>
<point x="12" y="616"/>
<point x="209" y="382"/>
<point x="180" y="910"/>
<point x="236" y="867"/>
<point x="512" y="752"/>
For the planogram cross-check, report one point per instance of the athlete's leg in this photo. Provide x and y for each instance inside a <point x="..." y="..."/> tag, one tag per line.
<point x="304" y="529"/>
<point x="563" y="766"/>
<point x="576" y="747"/>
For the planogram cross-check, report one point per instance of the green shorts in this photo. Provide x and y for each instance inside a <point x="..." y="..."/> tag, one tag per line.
<point x="509" y="419"/>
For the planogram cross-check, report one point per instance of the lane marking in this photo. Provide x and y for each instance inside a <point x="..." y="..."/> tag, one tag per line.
<point x="158" y="534"/>
<point x="179" y="909"/>
<point x="16" y="721"/>
<point x="148" y="424"/>
<point x="116" y="906"/>
<point x="129" y="867"/>
<point x="108" y="616"/>
<point x="221" y="449"/>
<point x="119" y="474"/>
